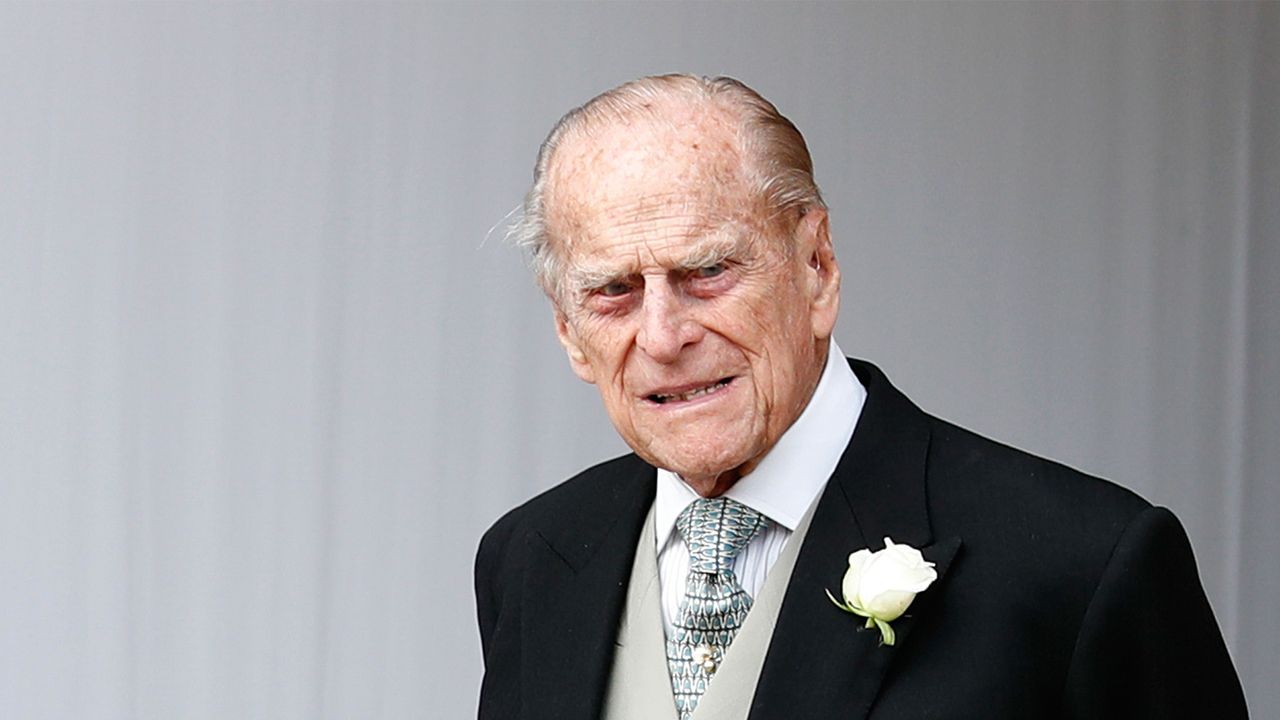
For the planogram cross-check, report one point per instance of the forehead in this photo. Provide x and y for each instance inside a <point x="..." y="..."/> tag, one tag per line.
<point x="660" y="181"/>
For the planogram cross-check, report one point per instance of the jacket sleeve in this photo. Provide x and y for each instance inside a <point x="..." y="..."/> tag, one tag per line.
<point x="498" y="616"/>
<point x="488" y="558"/>
<point x="1149" y="646"/>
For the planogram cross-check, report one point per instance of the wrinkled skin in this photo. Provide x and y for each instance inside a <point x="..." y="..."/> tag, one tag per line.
<point x="681" y="303"/>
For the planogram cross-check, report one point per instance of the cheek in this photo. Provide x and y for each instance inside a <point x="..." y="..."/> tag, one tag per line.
<point x="602" y="342"/>
<point x="766" y="329"/>
<point x="780" y="344"/>
<point x="606" y="349"/>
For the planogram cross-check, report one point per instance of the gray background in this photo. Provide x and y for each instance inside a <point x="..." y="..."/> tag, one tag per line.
<point x="266" y="374"/>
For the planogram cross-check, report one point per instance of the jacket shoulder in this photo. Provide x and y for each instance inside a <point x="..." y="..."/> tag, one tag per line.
<point x="574" y="502"/>
<point x="974" y="480"/>
<point x="971" y="461"/>
<point x="591" y="488"/>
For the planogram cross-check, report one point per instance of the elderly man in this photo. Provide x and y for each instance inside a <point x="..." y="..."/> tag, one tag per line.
<point x="676" y="227"/>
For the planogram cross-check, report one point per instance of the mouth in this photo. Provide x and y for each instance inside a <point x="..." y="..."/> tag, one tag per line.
<point x="690" y="394"/>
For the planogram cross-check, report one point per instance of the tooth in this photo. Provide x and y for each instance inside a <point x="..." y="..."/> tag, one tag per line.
<point x="689" y="394"/>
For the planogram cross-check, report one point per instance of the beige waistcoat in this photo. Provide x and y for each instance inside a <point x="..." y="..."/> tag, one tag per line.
<point x="640" y="687"/>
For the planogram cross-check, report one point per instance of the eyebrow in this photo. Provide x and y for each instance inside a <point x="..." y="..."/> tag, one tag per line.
<point x="585" y="276"/>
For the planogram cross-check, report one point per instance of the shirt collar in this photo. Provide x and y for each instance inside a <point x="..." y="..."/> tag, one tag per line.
<point x="793" y="473"/>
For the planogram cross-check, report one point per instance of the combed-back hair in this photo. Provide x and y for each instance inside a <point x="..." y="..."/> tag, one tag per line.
<point x="779" y="170"/>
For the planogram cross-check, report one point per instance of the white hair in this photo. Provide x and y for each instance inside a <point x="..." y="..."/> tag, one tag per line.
<point x="780" y="169"/>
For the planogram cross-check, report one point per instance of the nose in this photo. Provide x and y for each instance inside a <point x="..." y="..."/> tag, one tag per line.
<point x="665" y="325"/>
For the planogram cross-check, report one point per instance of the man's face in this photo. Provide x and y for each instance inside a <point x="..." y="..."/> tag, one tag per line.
<point x="704" y="335"/>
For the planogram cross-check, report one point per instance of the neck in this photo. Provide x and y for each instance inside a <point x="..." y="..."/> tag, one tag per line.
<point x="715" y="485"/>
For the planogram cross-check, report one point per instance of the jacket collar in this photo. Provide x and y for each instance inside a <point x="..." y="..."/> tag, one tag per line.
<point x="878" y="489"/>
<point x="575" y="590"/>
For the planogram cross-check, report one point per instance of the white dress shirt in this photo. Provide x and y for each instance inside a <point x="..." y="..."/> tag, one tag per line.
<point x="782" y="487"/>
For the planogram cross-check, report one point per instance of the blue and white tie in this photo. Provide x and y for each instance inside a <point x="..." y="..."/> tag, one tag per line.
<point x="714" y="604"/>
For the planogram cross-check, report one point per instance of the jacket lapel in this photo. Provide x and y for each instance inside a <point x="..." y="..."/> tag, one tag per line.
<point x="819" y="664"/>
<point x="575" y="588"/>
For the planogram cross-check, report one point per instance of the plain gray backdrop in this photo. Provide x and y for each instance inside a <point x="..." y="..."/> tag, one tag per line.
<point x="267" y="370"/>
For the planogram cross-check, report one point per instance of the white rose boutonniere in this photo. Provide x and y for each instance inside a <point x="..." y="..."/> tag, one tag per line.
<point x="879" y="586"/>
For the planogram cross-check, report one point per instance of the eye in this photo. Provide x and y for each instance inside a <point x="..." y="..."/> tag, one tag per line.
<point x="707" y="272"/>
<point x="614" y="289"/>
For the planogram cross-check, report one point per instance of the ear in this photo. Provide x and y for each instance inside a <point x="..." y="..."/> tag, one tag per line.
<point x="573" y="348"/>
<point x="821" y="272"/>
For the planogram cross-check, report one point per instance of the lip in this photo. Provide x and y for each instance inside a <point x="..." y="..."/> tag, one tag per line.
<point x="679" y="396"/>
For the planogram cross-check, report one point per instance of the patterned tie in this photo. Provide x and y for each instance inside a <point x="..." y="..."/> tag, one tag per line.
<point x="714" y="604"/>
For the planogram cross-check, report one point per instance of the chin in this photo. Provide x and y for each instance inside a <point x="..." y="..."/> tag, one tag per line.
<point x="704" y="463"/>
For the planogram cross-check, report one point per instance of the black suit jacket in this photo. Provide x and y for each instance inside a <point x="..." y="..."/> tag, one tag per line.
<point x="1059" y="595"/>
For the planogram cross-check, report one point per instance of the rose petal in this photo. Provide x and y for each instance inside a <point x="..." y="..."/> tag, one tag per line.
<point x="877" y="577"/>
<point x="896" y="569"/>
<point x="853" y="576"/>
<point x="890" y="604"/>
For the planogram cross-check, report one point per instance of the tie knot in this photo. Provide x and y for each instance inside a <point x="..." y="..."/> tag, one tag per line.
<point x="716" y="530"/>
